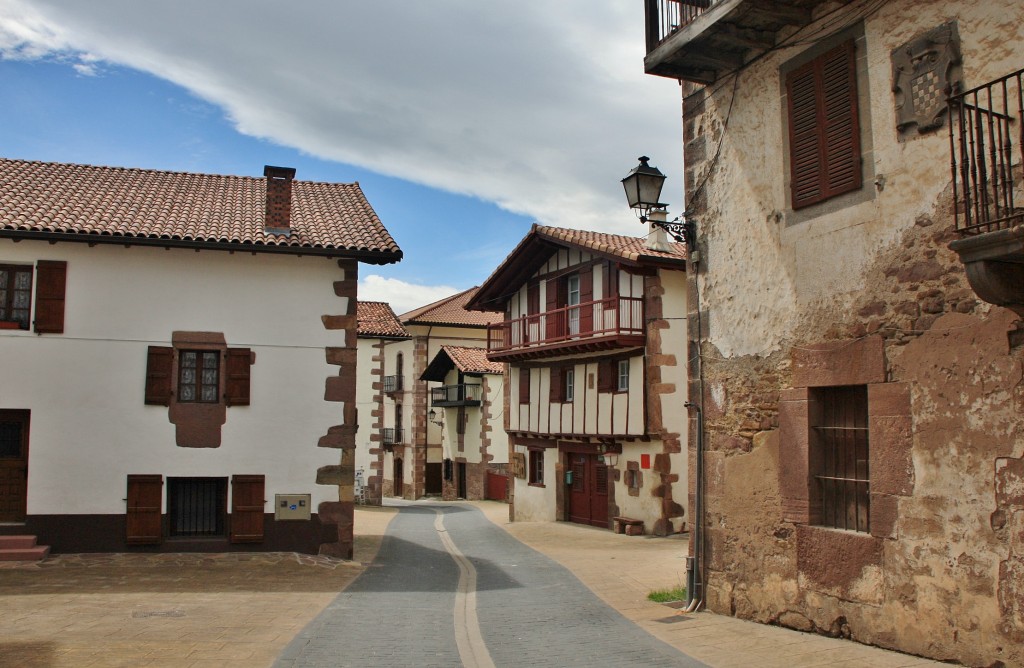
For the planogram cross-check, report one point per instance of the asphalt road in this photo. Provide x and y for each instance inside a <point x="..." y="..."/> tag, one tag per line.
<point x="449" y="588"/>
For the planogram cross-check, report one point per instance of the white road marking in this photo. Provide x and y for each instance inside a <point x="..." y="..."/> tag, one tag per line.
<point x="468" y="639"/>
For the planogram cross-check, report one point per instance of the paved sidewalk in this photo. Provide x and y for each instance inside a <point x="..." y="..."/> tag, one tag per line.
<point x="622" y="570"/>
<point x="235" y="610"/>
<point x="241" y="610"/>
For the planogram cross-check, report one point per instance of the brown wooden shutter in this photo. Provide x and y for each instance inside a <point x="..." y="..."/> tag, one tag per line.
<point x="159" y="366"/>
<point x="236" y="388"/>
<point x="824" y="129"/>
<point x="51" y="282"/>
<point x="143" y="518"/>
<point x="610" y="280"/>
<point x="556" y="392"/>
<point x="524" y="386"/>
<point x="551" y="305"/>
<point x="533" y="299"/>
<point x="586" y="296"/>
<point x="247" y="508"/>
<point x="606" y="376"/>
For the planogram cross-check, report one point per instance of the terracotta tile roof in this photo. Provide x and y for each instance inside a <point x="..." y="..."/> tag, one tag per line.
<point x="627" y="248"/>
<point x="116" y="204"/>
<point x="377" y="319"/>
<point x="541" y="243"/>
<point x="472" y="360"/>
<point x="451" y="311"/>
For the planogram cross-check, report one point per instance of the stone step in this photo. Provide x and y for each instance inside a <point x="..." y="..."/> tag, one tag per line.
<point x="22" y="548"/>
<point x="37" y="553"/>
<point x="17" y="542"/>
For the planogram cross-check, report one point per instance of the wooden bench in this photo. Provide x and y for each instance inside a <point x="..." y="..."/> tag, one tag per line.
<point x="629" y="526"/>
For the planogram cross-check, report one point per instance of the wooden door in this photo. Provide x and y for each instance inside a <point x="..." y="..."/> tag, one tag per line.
<point x="588" y="493"/>
<point x="433" y="478"/>
<point x="13" y="465"/>
<point x="247" y="508"/>
<point x="399" y="477"/>
<point x="143" y="519"/>
<point x="461" y="479"/>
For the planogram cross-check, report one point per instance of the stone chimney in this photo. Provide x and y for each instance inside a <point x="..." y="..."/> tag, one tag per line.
<point x="657" y="237"/>
<point x="279" y="199"/>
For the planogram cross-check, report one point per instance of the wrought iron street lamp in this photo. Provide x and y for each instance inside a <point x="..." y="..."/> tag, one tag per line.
<point x="643" y="190"/>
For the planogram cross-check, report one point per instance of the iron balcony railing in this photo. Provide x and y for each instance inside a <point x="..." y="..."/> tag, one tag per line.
<point x="664" y="17"/>
<point x="614" y="316"/>
<point x="986" y="143"/>
<point x="392" y="384"/>
<point x="466" y="394"/>
<point x="392" y="436"/>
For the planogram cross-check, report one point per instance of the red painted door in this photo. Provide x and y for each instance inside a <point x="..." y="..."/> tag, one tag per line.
<point x="588" y="493"/>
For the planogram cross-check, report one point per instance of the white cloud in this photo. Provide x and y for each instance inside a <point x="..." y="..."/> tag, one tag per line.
<point x="401" y="295"/>
<point x="538" y="106"/>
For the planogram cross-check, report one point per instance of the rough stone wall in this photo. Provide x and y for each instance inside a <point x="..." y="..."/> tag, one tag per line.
<point x="940" y="574"/>
<point x="342" y="389"/>
<point x="419" y="419"/>
<point x="374" y="493"/>
<point x="658" y="393"/>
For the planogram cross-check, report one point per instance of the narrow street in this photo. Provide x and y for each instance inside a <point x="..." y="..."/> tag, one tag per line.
<point x="450" y="588"/>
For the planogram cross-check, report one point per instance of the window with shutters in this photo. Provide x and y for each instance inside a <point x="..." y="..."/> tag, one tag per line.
<point x="536" y="473"/>
<point x="194" y="376"/>
<point x="828" y="127"/>
<point x="524" y="386"/>
<point x="198" y="376"/>
<point x="16" y="296"/>
<point x="622" y="377"/>
<point x="613" y="375"/>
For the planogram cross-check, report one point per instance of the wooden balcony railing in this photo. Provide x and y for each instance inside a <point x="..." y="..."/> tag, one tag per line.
<point x="392" y="384"/>
<point x="392" y="436"/>
<point x="466" y="394"/>
<point x="601" y="319"/>
<point x="664" y="17"/>
<point x="986" y="142"/>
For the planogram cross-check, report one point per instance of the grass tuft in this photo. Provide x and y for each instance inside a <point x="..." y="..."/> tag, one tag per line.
<point x="668" y="595"/>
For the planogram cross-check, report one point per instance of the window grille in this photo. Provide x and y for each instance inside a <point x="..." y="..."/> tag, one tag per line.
<point x="196" y="506"/>
<point x="841" y="444"/>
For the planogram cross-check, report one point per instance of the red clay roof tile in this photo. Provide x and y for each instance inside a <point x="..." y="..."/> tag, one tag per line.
<point x="41" y="198"/>
<point x="451" y="311"/>
<point x="378" y="319"/>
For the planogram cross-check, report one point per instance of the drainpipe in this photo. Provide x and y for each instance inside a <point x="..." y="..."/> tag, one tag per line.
<point x="695" y="584"/>
<point x="695" y="563"/>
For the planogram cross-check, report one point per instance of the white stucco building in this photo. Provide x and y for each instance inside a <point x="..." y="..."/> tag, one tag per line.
<point x="178" y="357"/>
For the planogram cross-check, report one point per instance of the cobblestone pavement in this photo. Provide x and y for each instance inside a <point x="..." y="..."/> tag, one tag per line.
<point x="531" y="611"/>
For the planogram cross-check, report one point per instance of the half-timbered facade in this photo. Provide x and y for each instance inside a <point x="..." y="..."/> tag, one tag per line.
<point x="178" y="356"/>
<point x="594" y="338"/>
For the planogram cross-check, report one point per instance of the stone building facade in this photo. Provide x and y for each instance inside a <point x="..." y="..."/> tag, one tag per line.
<point x="846" y="347"/>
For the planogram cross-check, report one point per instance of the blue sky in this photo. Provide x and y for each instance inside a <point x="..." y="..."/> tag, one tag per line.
<point x="462" y="131"/>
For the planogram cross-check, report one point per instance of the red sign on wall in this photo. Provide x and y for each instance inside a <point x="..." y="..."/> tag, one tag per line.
<point x="645" y="461"/>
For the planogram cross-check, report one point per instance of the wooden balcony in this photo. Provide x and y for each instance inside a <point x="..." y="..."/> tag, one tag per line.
<point x="699" y="40"/>
<point x="604" y="324"/>
<point x="466" y="394"/>
<point x="986" y="143"/>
